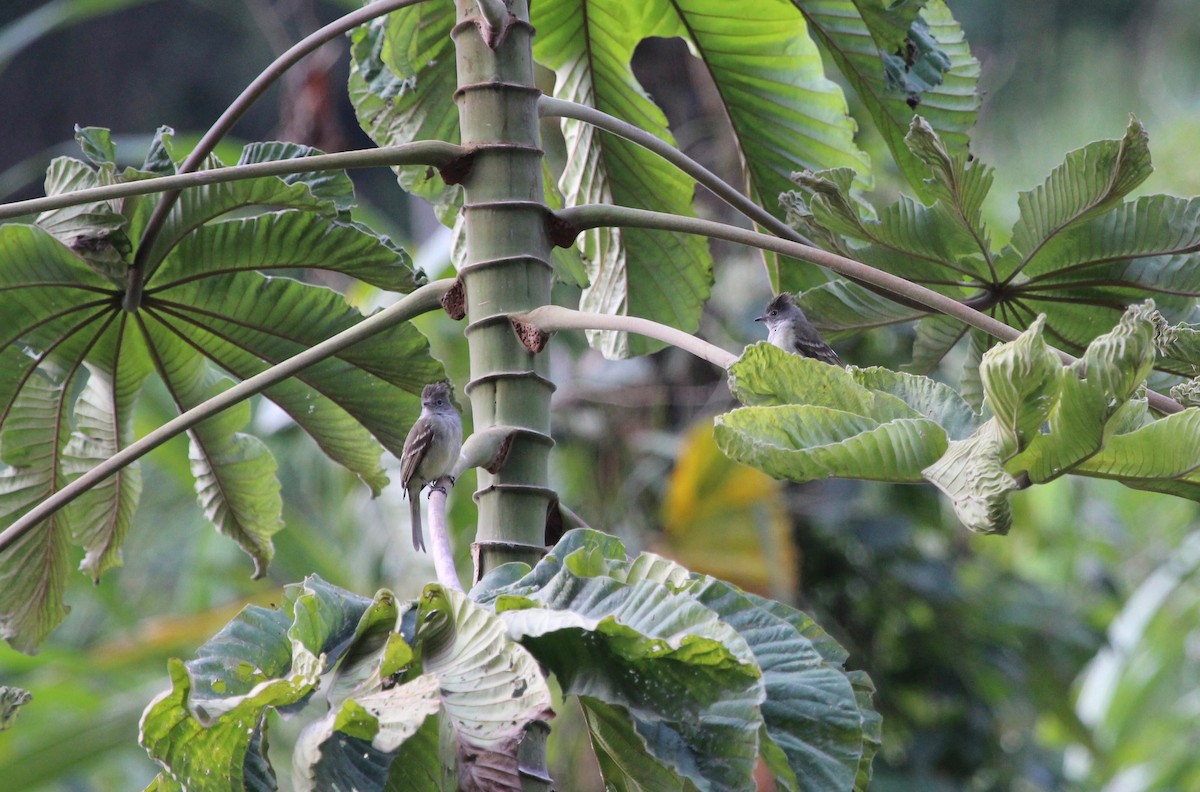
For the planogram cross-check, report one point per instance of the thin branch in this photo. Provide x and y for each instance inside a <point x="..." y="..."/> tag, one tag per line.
<point x="581" y="218"/>
<point x="239" y="106"/>
<point x="560" y="108"/>
<point x="549" y="318"/>
<point x="439" y="536"/>
<point x="426" y="152"/>
<point x="421" y="301"/>
<point x="495" y="16"/>
<point x="549" y="107"/>
<point x="573" y="518"/>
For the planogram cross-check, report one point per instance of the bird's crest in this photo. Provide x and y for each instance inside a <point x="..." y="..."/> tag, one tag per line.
<point x="781" y="301"/>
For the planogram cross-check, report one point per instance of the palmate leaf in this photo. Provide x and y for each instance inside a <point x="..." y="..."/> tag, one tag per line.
<point x="392" y="669"/>
<point x="1092" y="180"/>
<point x="1049" y="420"/>
<point x="33" y="570"/>
<point x="101" y="516"/>
<point x="625" y="763"/>
<point x="840" y="308"/>
<point x="942" y="246"/>
<point x="810" y="712"/>
<point x="901" y="58"/>
<point x="98" y="231"/>
<point x="234" y="472"/>
<point x="491" y="687"/>
<point x="207" y="308"/>
<point x="1080" y="254"/>
<point x="289" y="240"/>
<point x="331" y="185"/>
<point x="806" y="420"/>
<point x="659" y="276"/>
<point x="200" y="205"/>
<point x="245" y="322"/>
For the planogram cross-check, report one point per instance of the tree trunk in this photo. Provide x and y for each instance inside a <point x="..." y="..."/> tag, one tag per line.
<point x="506" y="270"/>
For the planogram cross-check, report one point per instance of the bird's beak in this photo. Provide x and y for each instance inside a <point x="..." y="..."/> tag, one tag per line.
<point x="760" y="318"/>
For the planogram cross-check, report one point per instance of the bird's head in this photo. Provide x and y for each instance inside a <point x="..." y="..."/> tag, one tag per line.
<point x="779" y="310"/>
<point x="436" y="396"/>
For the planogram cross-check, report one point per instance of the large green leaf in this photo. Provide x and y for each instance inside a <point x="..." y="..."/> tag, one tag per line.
<point x="625" y="763"/>
<point x="785" y="114"/>
<point x="972" y="475"/>
<point x="1164" y="449"/>
<point x="97" y="231"/>
<point x="646" y="643"/>
<point x="101" y="516"/>
<point x="839" y="308"/>
<point x="803" y="443"/>
<point x="353" y="747"/>
<point x="1050" y="420"/>
<point x="810" y="711"/>
<point x="1091" y="180"/>
<point x="661" y="276"/>
<point x="206" y="302"/>
<point x="235" y="473"/>
<point x="901" y="58"/>
<point x="210" y="729"/>
<point x="1114" y="365"/>
<point x="1079" y="254"/>
<point x="333" y="185"/>
<point x="245" y="322"/>
<point x="289" y="240"/>
<point x="199" y="205"/>
<point x="687" y="681"/>
<point x="943" y="246"/>
<point x="33" y="571"/>
<point x="809" y="420"/>
<point x="223" y="752"/>
<point x="491" y="687"/>
<point x="402" y="83"/>
<point x="1021" y="382"/>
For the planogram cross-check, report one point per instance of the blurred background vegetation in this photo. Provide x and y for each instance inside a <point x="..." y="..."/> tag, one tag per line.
<point x="1065" y="655"/>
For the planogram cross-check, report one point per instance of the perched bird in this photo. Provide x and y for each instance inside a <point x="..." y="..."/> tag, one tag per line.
<point x="790" y="330"/>
<point x="430" y="450"/>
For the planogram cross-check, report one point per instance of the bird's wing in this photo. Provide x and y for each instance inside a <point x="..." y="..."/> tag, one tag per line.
<point x="415" y="446"/>
<point x="810" y="344"/>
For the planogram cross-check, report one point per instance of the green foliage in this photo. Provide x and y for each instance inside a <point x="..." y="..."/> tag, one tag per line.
<point x="74" y="362"/>
<point x="785" y="114"/>
<point x="927" y="66"/>
<point x="684" y="682"/>
<point x="651" y="648"/>
<point x="1079" y="253"/>
<point x="680" y="676"/>
<point x="805" y="420"/>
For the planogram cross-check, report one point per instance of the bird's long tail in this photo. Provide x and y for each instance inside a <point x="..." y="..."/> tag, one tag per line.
<point x="414" y="511"/>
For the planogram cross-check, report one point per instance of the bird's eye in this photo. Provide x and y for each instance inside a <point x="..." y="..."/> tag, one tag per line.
<point x="772" y="313"/>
